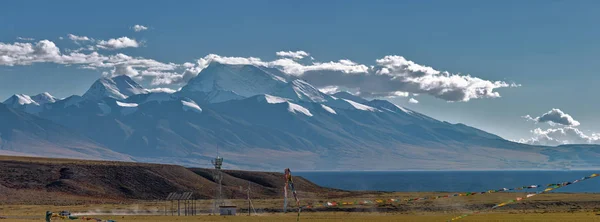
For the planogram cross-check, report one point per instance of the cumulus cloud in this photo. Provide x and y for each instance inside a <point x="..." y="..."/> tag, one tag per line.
<point x="293" y="55"/>
<point x="567" y="133"/>
<point x="392" y="74"/>
<point x="139" y="28"/>
<point x="25" y="39"/>
<point x="42" y="51"/>
<point x="119" y="43"/>
<point x="46" y="51"/>
<point x="78" y="38"/>
<point x="560" y="136"/>
<point x="554" y="116"/>
<point x="287" y="65"/>
<point x="413" y="100"/>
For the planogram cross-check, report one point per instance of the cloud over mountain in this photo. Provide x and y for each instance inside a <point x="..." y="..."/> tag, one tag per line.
<point x="390" y="76"/>
<point x="293" y="55"/>
<point x="567" y="133"/>
<point x="560" y="136"/>
<point x="554" y="116"/>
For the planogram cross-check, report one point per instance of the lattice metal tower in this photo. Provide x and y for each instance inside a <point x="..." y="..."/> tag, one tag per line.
<point x="218" y="177"/>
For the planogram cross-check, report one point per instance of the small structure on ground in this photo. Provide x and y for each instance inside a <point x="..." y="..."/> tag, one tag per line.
<point x="189" y="204"/>
<point x="227" y="210"/>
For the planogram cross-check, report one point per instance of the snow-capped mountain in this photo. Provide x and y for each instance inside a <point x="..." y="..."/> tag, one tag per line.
<point x="262" y="119"/>
<point x="119" y="87"/>
<point x="219" y="83"/>
<point x="30" y="104"/>
<point x="44" y="98"/>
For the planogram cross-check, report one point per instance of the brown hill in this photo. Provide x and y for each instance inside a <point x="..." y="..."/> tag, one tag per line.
<point x="52" y="181"/>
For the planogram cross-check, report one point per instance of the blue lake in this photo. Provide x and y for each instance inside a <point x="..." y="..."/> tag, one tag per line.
<point x="451" y="181"/>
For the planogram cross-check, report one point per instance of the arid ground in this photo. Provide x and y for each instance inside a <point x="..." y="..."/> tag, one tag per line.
<point x="135" y="192"/>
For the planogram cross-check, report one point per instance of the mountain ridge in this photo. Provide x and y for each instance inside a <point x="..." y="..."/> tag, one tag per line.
<point x="263" y="119"/>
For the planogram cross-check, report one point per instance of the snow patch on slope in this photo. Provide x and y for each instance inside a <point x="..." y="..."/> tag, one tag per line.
<point x="295" y="108"/>
<point x="191" y="106"/>
<point x="122" y="104"/>
<point x="301" y="91"/>
<point x="328" y="109"/>
<point x="360" y="106"/>
<point x="403" y="109"/>
<point x="274" y="99"/>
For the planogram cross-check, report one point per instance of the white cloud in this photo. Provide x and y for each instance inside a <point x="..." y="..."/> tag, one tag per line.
<point x="42" y="51"/>
<point x="554" y="116"/>
<point x="413" y="100"/>
<point x="409" y="76"/>
<point x="139" y="28"/>
<point x="119" y="43"/>
<point x="25" y="39"/>
<point x="46" y="51"/>
<point x="392" y="76"/>
<point x="165" y="90"/>
<point x="400" y="94"/>
<point x="293" y="55"/>
<point x="124" y="69"/>
<point x="79" y="38"/>
<point x="559" y="136"/>
<point x="287" y="65"/>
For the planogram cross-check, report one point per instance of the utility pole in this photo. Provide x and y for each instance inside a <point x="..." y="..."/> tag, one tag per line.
<point x="248" y="192"/>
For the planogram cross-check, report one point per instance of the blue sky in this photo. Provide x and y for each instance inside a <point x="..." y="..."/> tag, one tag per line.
<point x="550" y="48"/>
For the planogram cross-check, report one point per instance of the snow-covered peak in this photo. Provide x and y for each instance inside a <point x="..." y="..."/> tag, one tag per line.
<point x="119" y="87"/>
<point x="19" y="100"/>
<point x="44" y="98"/>
<point x="243" y="80"/>
<point x="31" y="104"/>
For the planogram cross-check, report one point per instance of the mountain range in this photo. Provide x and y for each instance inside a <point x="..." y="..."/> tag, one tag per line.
<point x="259" y="118"/>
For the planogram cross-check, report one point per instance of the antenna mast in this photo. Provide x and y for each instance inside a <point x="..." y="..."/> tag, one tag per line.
<point x="250" y="205"/>
<point x="218" y="177"/>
